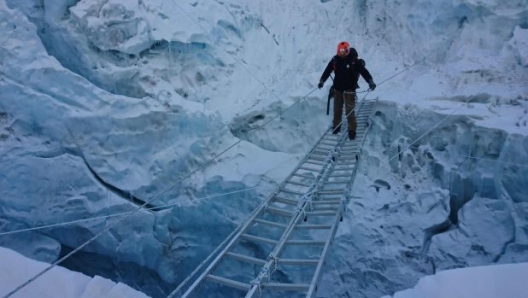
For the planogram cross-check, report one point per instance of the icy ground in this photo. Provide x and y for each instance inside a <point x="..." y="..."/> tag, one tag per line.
<point x="58" y="282"/>
<point x="106" y="105"/>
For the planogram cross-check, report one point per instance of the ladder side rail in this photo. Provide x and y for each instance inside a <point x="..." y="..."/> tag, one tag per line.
<point x="215" y="262"/>
<point x="360" y="145"/>
<point x="318" y="271"/>
<point x="300" y="164"/>
<point x="266" y="270"/>
<point x="244" y="227"/>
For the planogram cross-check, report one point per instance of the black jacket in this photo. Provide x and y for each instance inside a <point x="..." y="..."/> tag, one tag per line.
<point x="347" y="71"/>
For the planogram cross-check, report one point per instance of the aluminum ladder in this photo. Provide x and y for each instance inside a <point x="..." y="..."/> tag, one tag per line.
<point x="281" y="248"/>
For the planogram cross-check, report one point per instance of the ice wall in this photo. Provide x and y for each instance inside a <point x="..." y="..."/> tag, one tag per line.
<point x="447" y="206"/>
<point x="72" y="143"/>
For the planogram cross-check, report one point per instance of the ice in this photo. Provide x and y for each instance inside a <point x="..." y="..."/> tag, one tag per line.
<point x="58" y="282"/>
<point x="107" y="104"/>
<point x="493" y="281"/>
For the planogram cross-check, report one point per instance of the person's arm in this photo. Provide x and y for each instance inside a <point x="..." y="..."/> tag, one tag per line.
<point x="326" y="73"/>
<point x="366" y="74"/>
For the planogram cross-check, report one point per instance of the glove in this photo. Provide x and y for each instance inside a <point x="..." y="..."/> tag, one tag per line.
<point x="320" y="85"/>
<point x="372" y="86"/>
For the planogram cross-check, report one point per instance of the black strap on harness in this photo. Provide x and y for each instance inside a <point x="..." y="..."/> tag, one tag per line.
<point x="330" y="96"/>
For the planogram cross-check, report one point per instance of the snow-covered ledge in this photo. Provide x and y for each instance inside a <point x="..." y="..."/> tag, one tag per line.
<point x="58" y="282"/>
<point x="475" y="282"/>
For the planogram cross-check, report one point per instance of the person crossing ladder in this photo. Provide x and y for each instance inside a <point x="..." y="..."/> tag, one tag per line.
<point x="347" y="68"/>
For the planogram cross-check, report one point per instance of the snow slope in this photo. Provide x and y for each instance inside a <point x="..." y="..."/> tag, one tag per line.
<point x="58" y="282"/>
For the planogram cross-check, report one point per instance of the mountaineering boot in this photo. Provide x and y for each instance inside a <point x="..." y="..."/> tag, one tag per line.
<point x="336" y="130"/>
<point x="352" y="134"/>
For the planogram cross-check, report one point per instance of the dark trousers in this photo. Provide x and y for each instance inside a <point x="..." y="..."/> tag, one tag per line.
<point x="347" y="98"/>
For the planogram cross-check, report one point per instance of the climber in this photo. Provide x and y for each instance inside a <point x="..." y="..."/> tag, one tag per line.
<point x="347" y="68"/>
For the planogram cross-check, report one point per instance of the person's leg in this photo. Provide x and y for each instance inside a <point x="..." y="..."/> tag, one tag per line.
<point x="350" y="104"/>
<point x="338" y="111"/>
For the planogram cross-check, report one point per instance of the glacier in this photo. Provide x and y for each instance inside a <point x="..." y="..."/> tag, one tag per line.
<point x="107" y="105"/>
<point x="64" y="282"/>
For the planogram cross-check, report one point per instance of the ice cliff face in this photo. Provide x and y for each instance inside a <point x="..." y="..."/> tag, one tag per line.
<point x="107" y="104"/>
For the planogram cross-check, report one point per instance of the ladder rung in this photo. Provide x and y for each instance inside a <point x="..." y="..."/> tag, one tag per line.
<point x="298" y="261"/>
<point x="269" y="223"/>
<point x="323" y="202"/>
<point x="229" y="282"/>
<point x="331" y="191"/>
<point x="351" y="156"/>
<point x="350" y="145"/>
<point x="329" y="143"/>
<point x="286" y="287"/>
<point x="292" y="191"/>
<point x="325" y="208"/>
<point x="306" y="242"/>
<point x="343" y="170"/>
<point x="349" y="152"/>
<point x="246" y="258"/>
<point x="337" y="182"/>
<point x="317" y="158"/>
<point x="340" y="176"/>
<point x="316" y="152"/>
<point x="309" y="169"/>
<point x="329" y="197"/>
<point x="349" y="149"/>
<point x="314" y="227"/>
<point x="345" y="165"/>
<point x="297" y="183"/>
<point x="321" y="213"/>
<point x="303" y="176"/>
<point x="317" y="163"/>
<point x="278" y="211"/>
<point x="258" y="239"/>
<point x="286" y="201"/>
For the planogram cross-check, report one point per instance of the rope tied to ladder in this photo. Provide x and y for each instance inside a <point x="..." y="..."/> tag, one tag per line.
<point x="275" y="262"/>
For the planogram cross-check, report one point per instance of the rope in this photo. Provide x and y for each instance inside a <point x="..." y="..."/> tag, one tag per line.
<point x="76" y="250"/>
<point x="404" y="70"/>
<point x="113" y="215"/>
<point x="435" y="126"/>
<point x="495" y="161"/>
<point x="214" y="253"/>
<point x="199" y="169"/>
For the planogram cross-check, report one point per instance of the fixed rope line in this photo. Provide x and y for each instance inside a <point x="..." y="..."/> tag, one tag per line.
<point x="214" y="252"/>
<point x="139" y="208"/>
<point x="278" y="115"/>
<point x="404" y="70"/>
<point x="434" y="126"/>
<point x="439" y="122"/>
<point x="115" y="214"/>
<point x="495" y="161"/>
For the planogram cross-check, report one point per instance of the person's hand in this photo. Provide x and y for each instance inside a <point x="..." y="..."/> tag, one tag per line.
<point x="372" y="86"/>
<point x="320" y="85"/>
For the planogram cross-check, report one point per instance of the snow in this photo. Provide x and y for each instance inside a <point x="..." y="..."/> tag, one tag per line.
<point x="475" y="282"/>
<point x="106" y="103"/>
<point x="58" y="282"/>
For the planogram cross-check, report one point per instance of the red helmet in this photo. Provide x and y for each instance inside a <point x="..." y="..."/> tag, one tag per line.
<point x="343" y="48"/>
